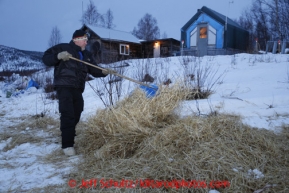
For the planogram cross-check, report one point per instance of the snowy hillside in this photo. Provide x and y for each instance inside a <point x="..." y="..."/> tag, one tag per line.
<point x="256" y="87"/>
<point x="15" y="59"/>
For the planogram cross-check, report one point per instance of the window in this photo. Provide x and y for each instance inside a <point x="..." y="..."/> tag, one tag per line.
<point x="194" y="37"/>
<point x="212" y="36"/>
<point x="203" y="32"/>
<point x="124" y="49"/>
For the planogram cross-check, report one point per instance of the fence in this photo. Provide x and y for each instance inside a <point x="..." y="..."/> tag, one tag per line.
<point x="277" y="46"/>
<point x="210" y="52"/>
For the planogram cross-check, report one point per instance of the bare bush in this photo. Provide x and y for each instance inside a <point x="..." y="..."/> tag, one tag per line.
<point x="233" y="59"/>
<point x="110" y="90"/>
<point x="145" y="68"/>
<point x="185" y="60"/>
<point x="201" y="79"/>
<point x="45" y="80"/>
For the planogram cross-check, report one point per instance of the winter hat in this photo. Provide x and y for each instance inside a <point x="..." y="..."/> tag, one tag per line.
<point x="78" y="33"/>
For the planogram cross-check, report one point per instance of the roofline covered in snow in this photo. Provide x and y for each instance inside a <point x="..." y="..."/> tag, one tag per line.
<point x="112" y="34"/>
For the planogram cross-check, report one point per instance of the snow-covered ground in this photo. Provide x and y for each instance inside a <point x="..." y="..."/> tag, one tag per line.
<point x="256" y="87"/>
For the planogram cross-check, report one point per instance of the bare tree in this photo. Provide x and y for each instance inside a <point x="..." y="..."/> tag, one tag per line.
<point x="91" y="15"/>
<point x="246" y="21"/>
<point x="256" y="20"/>
<point x="262" y="25"/>
<point x="147" y="28"/>
<point x="55" y="37"/>
<point x="108" y="20"/>
<point x="267" y="20"/>
<point x="278" y="11"/>
<point x="164" y="35"/>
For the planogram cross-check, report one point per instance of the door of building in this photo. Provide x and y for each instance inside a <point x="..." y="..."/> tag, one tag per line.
<point x="157" y="50"/>
<point x="202" y="42"/>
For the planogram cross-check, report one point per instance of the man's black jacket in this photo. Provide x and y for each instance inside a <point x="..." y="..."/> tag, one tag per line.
<point x="70" y="73"/>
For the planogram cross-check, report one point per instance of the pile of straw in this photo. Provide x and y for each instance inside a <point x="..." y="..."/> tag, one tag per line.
<point x="142" y="138"/>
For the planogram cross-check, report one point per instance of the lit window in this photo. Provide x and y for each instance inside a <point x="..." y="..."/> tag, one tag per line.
<point x="124" y="49"/>
<point x="203" y="32"/>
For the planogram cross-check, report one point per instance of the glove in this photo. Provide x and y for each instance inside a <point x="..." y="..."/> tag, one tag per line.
<point x="108" y="71"/>
<point x="63" y="56"/>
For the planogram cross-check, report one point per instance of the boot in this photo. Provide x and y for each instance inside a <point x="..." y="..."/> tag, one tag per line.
<point x="69" y="151"/>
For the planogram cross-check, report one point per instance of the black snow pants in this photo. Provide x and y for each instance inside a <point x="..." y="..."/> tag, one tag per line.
<point x="70" y="107"/>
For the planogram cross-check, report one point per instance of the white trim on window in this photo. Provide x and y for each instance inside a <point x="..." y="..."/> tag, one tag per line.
<point x="212" y="36"/>
<point x="193" y="38"/>
<point x="124" y="49"/>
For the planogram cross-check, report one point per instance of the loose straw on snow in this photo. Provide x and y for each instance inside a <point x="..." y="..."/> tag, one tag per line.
<point x="143" y="138"/>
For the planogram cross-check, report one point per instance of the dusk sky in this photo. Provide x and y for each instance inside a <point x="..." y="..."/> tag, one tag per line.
<point x="27" y="24"/>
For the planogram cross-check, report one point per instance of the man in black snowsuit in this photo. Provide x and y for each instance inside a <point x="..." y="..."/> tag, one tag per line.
<point x="69" y="83"/>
